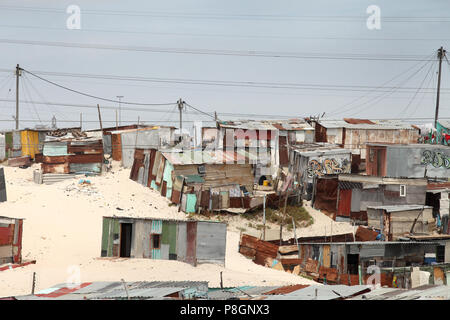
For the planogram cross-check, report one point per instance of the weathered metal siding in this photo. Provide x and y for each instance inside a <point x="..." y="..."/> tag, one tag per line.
<point x="181" y="241"/>
<point x="356" y="139"/>
<point x="344" y="202"/>
<point x="211" y="242"/>
<point x="169" y="238"/>
<point x="116" y="147"/>
<point x="412" y="161"/>
<point x="55" y="149"/>
<point x="146" y="139"/>
<point x="107" y="140"/>
<point x="141" y="231"/>
<point x="85" y="167"/>
<point x="191" y="236"/>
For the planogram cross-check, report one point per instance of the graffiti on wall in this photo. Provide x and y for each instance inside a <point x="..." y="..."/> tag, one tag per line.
<point x="317" y="168"/>
<point x="436" y="159"/>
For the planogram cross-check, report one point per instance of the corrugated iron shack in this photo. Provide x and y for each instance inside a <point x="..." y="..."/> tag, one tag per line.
<point x="396" y="221"/>
<point x="356" y="192"/>
<point x="412" y="160"/>
<point x="10" y="240"/>
<point x="189" y="241"/>
<point x="349" y="263"/>
<point x="106" y="134"/>
<point x="355" y="133"/>
<point x="198" y="180"/>
<point x="124" y="142"/>
<point x="309" y="161"/>
<point x="271" y="137"/>
<point x="69" y="155"/>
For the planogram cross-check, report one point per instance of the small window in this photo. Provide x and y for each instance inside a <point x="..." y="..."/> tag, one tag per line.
<point x="156" y="243"/>
<point x="402" y="190"/>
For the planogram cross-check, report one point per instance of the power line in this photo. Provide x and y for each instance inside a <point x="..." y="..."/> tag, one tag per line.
<point x="227" y="83"/>
<point x="95" y="97"/>
<point x="426" y="59"/>
<point x="415" y="94"/>
<point x="209" y="115"/>
<point x="215" y="35"/>
<point x="241" y="53"/>
<point x="221" y="16"/>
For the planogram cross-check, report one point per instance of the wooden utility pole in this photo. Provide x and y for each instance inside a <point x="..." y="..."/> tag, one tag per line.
<point x="100" y="117"/>
<point x="117" y="123"/>
<point x="180" y="108"/>
<point x="441" y="54"/>
<point x="81" y="121"/>
<point x="34" y="283"/>
<point x="18" y="74"/>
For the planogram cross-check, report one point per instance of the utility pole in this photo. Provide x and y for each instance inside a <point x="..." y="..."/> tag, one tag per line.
<point x="441" y="54"/>
<point x="81" y="121"/>
<point x="100" y="118"/>
<point x="18" y="74"/>
<point x="120" y="109"/>
<point x="117" y="126"/>
<point x="180" y="108"/>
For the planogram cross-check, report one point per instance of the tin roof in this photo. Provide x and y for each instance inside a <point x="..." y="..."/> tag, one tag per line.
<point x="291" y="124"/>
<point x="116" y="290"/>
<point x="158" y="218"/>
<point x="426" y="292"/>
<point x="310" y="150"/>
<point x="322" y="292"/>
<point x="201" y="157"/>
<point x="377" y="124"/>
<point x="400" y="207"/>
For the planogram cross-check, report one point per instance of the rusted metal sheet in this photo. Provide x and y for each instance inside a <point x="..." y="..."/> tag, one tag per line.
<point x="86" y="147"/>
<point x="116" y="147"/>
<point x="439" y="276"/>
<point x="290" y="261"/>
<point x="283" y="151"/>
<point x="55" y="159"/>
<point x="311" y="265"/>
<point x="204" y="199"/>
<point x="286" y="289"/>
<point x="326" y="195"/>
<point x="248" y="241"/>
<point x="55" y="168"/>
<point x="176" y="196"/>
<point x="191" y="231"/>
<point x="86" y="158"/>
<point x="248" y="252"/>
<point x="236" y="202"/>
<point x="38" y="158"/>
<point x="365" y="234"/>
<point x="164" y="188"/>
<point x="151" y="177"/>
<point x="19" y="161"/>
<point x="344" y="202"/>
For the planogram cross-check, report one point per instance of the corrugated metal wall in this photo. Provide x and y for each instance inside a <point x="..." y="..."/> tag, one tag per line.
<point x="211" y="242"/>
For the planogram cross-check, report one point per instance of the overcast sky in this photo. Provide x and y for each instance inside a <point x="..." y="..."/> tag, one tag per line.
<point x="292" y="31"/>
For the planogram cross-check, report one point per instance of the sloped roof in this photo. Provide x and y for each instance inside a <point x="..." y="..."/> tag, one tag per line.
<point x="376" y="124"/>
<point x="291" y="124"/>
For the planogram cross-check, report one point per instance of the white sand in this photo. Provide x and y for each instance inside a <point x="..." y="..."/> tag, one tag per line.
<point x="63" y="229"/>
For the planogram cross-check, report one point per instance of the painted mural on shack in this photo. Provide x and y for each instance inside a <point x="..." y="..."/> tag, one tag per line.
<point x="319" y="166"/>
<point x="436" y="159"/>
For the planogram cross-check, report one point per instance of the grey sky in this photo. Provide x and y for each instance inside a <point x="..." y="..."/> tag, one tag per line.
<point x="258" y="25"/>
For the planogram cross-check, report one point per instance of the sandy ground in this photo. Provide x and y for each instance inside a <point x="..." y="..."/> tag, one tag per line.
<point x="62" y="232"/>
